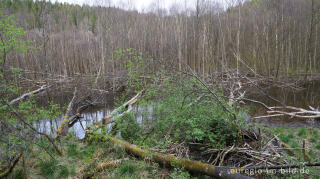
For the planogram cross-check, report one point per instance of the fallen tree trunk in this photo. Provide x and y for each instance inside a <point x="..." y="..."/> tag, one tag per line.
<point x="170" y="160"/>
<point x="115" y="113"/>
<point x="63" y="128"/>
<point x="26" y="95"/>
<point x="193" y="166"/>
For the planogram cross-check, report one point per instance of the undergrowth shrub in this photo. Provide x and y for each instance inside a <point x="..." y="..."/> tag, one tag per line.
<point x="129" y="127"/>
<point x="181" y="111"/>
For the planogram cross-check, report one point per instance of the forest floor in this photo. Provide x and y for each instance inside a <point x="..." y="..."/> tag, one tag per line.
<point x="81" y="160"/>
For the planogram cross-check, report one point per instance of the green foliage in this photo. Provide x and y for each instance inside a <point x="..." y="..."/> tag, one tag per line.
<point x="302" y="132"/>
<point x="132" y="169"/>
<point x="74" y="17"/>
<point x="178" y="115"/>
<point x="176" y="112"/>
<point x="88" y="152"/>
<point x="128" y="126"/>
<point x="132" y="60"/>
<point x="18" y="137"/>
<point x="10" y="35"/>
<point x="285" y="138"/>
<point x="63" y="172"/>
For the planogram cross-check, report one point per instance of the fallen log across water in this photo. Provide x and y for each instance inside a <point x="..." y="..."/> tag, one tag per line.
<point x="63" y="128"/>
<point x="128" y="106"/>
<point x="26" y="95"/>
<point x="115" y="113"/>
<point x="170" y="160"/>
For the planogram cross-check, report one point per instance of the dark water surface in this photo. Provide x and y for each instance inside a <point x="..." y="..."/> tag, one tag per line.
<point x="309" y="95"/>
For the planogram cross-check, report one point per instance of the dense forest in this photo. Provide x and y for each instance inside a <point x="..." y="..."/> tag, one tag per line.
<point x="215" y="90"/>
<point x="275" y="38"/>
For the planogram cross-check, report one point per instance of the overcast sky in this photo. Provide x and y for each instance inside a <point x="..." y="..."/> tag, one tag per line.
<point x="140" y="5"/>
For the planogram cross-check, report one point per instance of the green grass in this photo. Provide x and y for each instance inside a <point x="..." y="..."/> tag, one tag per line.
<point x="72" y="149"/>
<point x="81" y="159"/>
<point x="127" y="168"/>
<point x="302" y="132"/>
<point x="295" y="137"/>
<point x="48" y="168"/>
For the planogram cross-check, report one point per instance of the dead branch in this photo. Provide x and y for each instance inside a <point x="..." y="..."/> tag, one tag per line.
<point x="258" y="102"/>
<point x="308" y="114"/>
<point x="107" y="165"/>
<point x="64" y="126"/>
<point x="115" y="113"/>
<point x="26" y="95"/>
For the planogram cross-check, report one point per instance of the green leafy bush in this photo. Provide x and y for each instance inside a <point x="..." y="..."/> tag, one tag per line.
<point x="128" y="126"/>
<point x="183" y="111"/>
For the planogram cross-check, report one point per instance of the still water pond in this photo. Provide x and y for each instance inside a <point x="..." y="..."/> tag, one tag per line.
<point x="308" y="95"/>
<point x="89" y="117"/>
